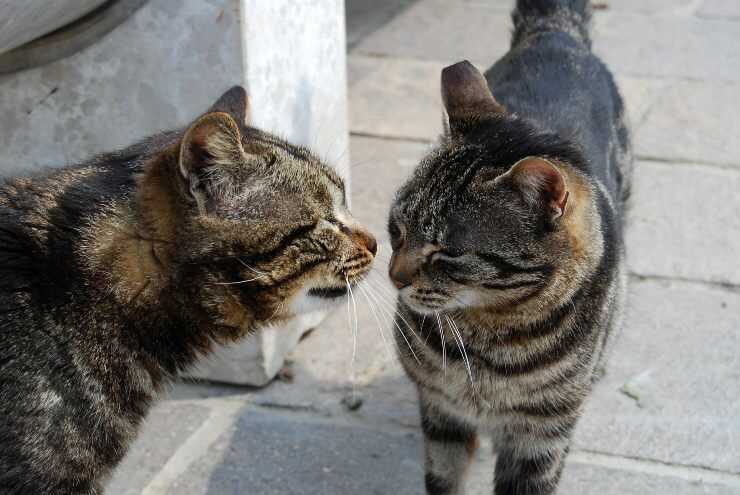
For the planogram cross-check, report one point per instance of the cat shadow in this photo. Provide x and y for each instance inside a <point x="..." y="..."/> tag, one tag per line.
<point x="375" y="449"/>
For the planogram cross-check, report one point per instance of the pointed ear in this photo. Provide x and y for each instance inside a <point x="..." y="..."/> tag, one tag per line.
<point x="465" y="93"/>
<point x="211" y="143"/>
<point x="235" y="102"/>
<point x="541" y="182"/>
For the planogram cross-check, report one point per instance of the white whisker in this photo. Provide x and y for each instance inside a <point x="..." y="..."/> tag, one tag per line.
<point x="377" y="300"/>
<point x="461" y="347"/>
<point x="238" y="282"/>
<point x="377" y="320"/>
<point x="277" y="310"/>
<point x="261" y="274"/>
<point x="478" y="392"/>
<point x="353" y="328"/>
<point x="444" y="349"/>
<point x="393" y="305"/>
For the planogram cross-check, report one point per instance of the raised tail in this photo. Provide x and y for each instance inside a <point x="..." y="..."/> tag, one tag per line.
<point x="538" y="16"/>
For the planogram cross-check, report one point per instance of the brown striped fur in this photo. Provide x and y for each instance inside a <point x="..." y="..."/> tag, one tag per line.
<point x="508" y="257"/>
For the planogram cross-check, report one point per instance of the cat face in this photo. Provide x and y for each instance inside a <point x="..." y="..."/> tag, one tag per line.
<point x="262" y="227"/>
<point x="486" y="220"/>
<point x="476" y="243"/>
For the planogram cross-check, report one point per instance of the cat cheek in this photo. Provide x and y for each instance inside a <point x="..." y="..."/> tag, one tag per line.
<point x="468" y="298"/>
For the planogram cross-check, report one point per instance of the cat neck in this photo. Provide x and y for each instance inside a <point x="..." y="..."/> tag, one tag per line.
<point x="131" y="265"/>
<point x="131" y="244"/>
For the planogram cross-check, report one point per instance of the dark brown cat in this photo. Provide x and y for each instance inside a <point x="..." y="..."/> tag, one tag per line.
<point x="508" y="253"/>
<point x="118" y="273"/>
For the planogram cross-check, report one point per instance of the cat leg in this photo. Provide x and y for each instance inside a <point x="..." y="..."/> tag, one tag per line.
<point x="449" y="444"/>
<point x="530" y="462"/>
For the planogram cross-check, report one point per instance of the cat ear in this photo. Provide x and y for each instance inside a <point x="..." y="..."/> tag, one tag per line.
<point x="540" y="182"/>
<point x="235" y="102"/>
<point x="465" y="93"/>
<point x="211" y="143"/>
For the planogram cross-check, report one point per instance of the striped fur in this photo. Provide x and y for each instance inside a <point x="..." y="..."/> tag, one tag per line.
<point x="508" y="253"/>
<point x="118" y="273"/>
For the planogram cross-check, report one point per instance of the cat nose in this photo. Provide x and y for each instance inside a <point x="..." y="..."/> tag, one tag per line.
<point x="402" y="270"/>
<point x="365" y="238"/>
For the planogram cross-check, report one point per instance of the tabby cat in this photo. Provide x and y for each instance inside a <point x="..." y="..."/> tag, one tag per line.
<point x="118" y="273"/>
<point x="508" y="255"/>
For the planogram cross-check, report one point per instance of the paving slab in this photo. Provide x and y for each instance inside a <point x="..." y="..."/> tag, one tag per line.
<point x="365" y="17"/>
<point x="379" y="168"/>
<point x="668" y="46"/>
<point x="652" y="7"/>
<point x="684" y="222"/>
<point x="166" y="429"/>
<point x="587" y="479"/>
<point x="395" y="97"/>
<point x="672" y="389"/>
<point x="432" y="30"/>
<point x="639" y="94"/>
<point x="586" y="473"/>
<point x="269" y="454"/>
<point x="693" y="121"/>
<point x="723" y="9"/>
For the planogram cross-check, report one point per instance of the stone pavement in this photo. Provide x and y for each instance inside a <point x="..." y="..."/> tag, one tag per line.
<point x="665" y="420"/>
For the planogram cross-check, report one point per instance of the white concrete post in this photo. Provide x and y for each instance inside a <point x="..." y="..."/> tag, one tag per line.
<point x="162" y="67"/>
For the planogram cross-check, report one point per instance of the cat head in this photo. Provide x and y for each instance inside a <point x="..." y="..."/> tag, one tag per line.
<point x="258" y="229"/>
<point x="497" y="216"/>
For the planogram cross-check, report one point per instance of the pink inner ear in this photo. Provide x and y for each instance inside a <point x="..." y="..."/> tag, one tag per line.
<point x="196" y="149"/>
<point x="543" y="178"/>
<point x="198" y="145"/>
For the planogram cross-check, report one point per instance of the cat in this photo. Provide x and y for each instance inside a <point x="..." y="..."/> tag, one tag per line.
<point x="119" y="273"/>
<point x="508" y="253"/>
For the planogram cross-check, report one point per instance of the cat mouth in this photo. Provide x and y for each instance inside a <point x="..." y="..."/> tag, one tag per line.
<point x="432" y="302"/>
<point x="425" y="307"/>
<point x="328" y="292"/>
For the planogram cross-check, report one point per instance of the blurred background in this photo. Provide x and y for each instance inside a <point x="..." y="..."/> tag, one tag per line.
<point x="305" y="417"/>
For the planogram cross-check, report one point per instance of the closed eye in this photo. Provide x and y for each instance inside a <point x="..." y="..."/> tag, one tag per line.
<point x="336" y="223"/>
<point x="512" y="285"/>
<point x="449" y="265"/>
<point x="507" y="268"/>
<point x="396" y="233"/>
<point x="344" y="229"/>
<point x="284" y="242"/>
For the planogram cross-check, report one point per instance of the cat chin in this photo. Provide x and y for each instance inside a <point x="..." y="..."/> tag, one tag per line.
<point x="462" y="299"/>
<point x="317" y="298"/>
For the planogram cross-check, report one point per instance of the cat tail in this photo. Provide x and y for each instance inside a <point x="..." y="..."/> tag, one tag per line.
<point x="572" y="17"/>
